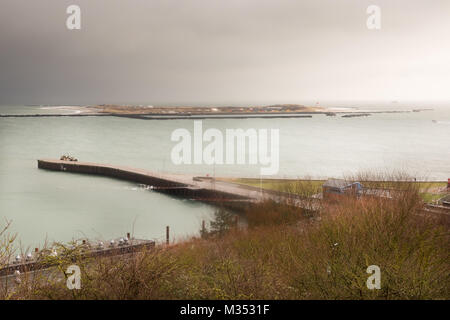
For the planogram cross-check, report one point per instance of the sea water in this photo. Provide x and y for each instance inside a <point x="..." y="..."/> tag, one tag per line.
<point x="56" y="206"/>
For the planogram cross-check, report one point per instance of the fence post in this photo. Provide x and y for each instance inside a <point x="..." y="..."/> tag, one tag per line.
<point x="167" y="235"/>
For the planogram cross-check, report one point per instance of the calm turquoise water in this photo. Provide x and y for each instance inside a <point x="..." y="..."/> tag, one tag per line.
<point x="60" y="206"/>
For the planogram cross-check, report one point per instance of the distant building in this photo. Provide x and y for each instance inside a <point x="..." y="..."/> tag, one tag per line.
<point x="333" y="188"/>
<point x="445" y="201"/>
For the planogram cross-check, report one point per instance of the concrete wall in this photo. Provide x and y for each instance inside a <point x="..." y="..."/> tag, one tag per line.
<point x="160" y="184"/>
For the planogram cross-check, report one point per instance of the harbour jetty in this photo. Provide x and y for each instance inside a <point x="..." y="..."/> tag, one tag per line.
<point x="54" y="115"/>
<point x="356" y="115"/>
<point x="214" y="116"/>
<point x="188" y="186"/>
<point x="205" y="189"/>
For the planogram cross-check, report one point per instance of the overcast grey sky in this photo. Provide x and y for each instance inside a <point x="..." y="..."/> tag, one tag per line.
<point x="223" y="51"/>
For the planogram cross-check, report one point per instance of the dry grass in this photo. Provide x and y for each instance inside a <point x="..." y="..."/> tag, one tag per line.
<point x="285" y="253"/>
<point x="430" y="191"/>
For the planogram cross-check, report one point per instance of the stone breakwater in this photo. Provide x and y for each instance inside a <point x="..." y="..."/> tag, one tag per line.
<point x="190" y="187"/>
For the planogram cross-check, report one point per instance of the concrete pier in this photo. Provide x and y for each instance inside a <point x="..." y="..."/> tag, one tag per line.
<point x="187" y="186"/>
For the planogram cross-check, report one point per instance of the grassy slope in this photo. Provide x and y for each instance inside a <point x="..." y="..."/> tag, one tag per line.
<point x="429" y="191"/>
<point x="285" y="255"/>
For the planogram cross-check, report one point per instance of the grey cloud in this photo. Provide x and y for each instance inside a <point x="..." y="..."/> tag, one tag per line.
<point x="217" y="51"/>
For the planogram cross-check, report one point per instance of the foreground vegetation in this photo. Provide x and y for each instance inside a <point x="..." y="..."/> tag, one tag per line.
<point x="283" y="253"/>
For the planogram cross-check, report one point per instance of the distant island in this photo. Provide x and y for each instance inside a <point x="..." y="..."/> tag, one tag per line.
<point x="148" y="112"/>
<point x="195" y="110"/>
<point x="270" y="111"/>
